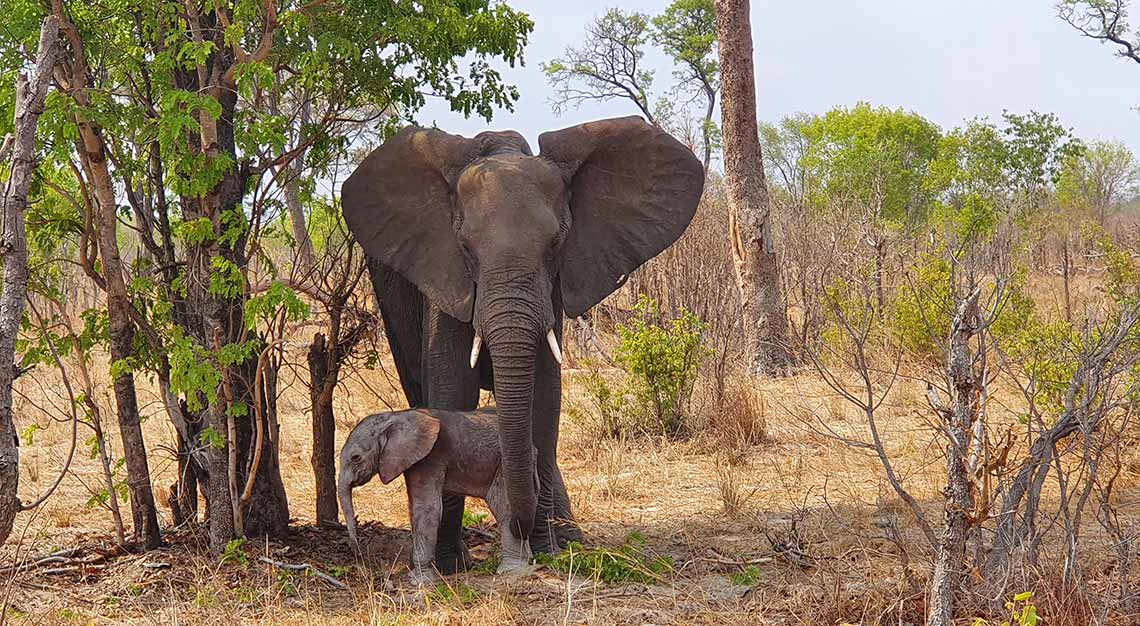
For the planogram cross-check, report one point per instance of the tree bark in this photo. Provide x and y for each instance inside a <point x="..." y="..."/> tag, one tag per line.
<point x="323" y="372"/>
<point x="959" y="499"/>
<point x="92" y="151"/>
<point x="29" y="104"/>
<point x="753" y="250"/>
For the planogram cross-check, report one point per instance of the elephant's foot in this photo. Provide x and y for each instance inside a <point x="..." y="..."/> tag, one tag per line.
<point x="421" y="575"/>
<point x="515" y="557"/>
<point x="554" y="536"/>
<point x="566" y="531"/>
<point x="452" y="558"/>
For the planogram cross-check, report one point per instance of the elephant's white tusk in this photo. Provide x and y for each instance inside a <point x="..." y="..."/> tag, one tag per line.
<point x="475" y="347"/>
<point x="554" y="349"/>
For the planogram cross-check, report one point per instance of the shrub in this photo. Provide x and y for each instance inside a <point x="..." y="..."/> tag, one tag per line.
<point x="630" y="563"/>
<point x="609" y="401"/>
<point x="659" y="360"/>
<point x="662" y="358"/>
<point x="920" y="317"/>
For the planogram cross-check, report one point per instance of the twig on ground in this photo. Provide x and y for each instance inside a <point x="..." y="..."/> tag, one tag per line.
<point x="478" y="532"/>
<point x="302" y="567"/>
<point x="60" y="556"/>
<point x="80" y="567"/>
<point x="716" y="557"/>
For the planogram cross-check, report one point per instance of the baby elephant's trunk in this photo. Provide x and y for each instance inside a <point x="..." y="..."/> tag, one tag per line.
<point x="344" y="494"/>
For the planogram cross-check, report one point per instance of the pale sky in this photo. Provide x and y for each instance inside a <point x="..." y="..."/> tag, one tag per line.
<point x="948" y="60"/>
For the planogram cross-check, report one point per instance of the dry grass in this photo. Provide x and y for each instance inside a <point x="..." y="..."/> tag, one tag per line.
<point x="758" y="497"/>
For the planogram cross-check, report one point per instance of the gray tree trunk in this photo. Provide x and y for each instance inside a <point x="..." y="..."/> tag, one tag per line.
<point x="753" y="251"/>
<point x="959" y="501"/>
<point x="30" y="95"/>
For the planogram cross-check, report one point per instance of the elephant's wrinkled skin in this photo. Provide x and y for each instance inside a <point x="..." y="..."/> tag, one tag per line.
<point x="475" y="242"/>
<point x="439" y="453"/>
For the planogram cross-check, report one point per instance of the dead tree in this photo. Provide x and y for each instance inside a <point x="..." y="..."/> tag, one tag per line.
<point x="965" y="371"/>
<point x="29" y="104"/>
<point x="347" y="325"/>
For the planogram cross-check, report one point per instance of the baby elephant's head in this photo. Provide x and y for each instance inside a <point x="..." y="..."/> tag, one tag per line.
<point x="384" y="444"/>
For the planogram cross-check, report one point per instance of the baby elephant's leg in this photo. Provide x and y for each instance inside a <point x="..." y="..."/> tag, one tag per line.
<point x="425" y="503"/>
<point x="516" y="553"/>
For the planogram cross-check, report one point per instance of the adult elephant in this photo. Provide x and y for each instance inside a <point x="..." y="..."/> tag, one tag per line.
<point x="476" y="242"/>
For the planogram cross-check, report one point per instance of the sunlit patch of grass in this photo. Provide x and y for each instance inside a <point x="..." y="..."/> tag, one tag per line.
<point x="629" y="563"/>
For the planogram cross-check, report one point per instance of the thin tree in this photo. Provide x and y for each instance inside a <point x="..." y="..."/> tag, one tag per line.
<point x="1105" y="21"/>
<point x="93" y="157"/>
<point x="687" y="33"/>
<point x="30" y="95"/>
<point x="753" y="250"/>
<point x="607" y="66"/>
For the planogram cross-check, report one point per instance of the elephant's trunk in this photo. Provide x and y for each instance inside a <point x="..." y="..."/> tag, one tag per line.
<point x="344" y="494"/>
<point x="513" y="339"/>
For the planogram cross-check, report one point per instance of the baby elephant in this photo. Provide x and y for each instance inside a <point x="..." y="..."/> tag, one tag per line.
<point x="438" y="452"/>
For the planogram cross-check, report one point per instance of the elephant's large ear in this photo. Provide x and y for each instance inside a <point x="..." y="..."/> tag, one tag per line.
<point x="399" y="206"/>
<point x="408" y="438"/>
<point x="633" y="191"/>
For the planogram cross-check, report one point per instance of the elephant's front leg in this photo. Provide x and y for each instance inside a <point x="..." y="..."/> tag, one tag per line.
<point x="554" y="523"/>
<point x="449" y="383"/>
<point x="424" y="503"/>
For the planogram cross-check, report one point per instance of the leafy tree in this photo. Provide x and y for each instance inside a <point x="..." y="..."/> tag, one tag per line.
<point x="607" y="66"/>
<point x="200" y="130"/>
<point x="1105" y="21"/>
<point x="1038" y="147"/>
<point x="874" y="161"/>
<point x="875" y="158"/>
<point x="687" y="33"/>
<point x="786" y="146"/>
<point x="1099" y="179"/>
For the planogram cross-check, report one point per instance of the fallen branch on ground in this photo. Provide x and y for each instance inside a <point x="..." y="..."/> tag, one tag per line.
<point x="716" y="557"/>
<point x="303" y="567"/>
<point x="60" y="556"/>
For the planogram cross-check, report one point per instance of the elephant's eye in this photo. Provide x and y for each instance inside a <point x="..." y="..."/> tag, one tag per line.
<point x="355" y="458"/>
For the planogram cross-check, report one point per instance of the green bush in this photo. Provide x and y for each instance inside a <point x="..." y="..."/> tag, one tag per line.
<point x="629" y="563"/>
<point x="659" y="360"/>
<point x="662" y="358"/>
<point x="921" y="315"/>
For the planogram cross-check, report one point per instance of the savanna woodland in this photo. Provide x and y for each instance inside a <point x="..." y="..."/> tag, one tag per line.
<point x="885" y="371"/>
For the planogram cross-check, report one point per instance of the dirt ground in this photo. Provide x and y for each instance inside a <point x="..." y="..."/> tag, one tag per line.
<point x="796" y="529"/>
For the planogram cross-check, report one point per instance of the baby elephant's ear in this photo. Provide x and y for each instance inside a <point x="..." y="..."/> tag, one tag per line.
<point x="409" y="438"/>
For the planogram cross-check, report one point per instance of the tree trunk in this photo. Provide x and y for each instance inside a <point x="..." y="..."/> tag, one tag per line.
<point x="959" y="500"/>
<point x="753" y="251"/>
<point x="323" y="372"/>
<point x="1066" y="268"/>
<point x="183" y="500"/>
<point x="29" y="104"/>
<point x="306" y="257"/>
<point x="216" y="319"/>
<point x="706" y="128"/>
<point x="880" y="263"/>
<point x="93" y="155"/>
<point x="96" y="416"/>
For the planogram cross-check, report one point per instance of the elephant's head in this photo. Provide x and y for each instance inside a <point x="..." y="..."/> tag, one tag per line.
<point x="487" y="231"/>
<point x="384" y="444"/>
